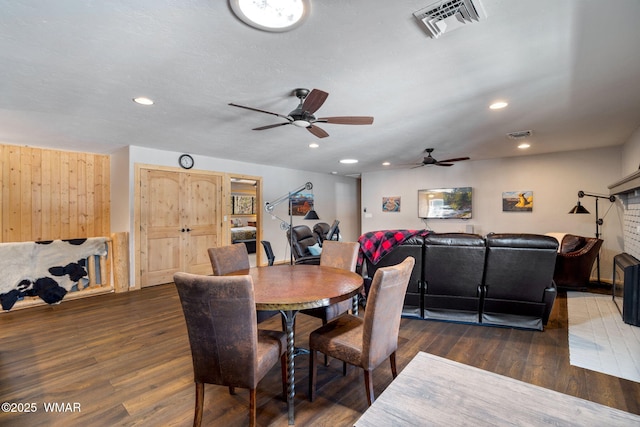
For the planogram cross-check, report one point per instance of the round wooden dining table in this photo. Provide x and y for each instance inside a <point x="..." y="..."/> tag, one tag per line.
<point x="290" y="288"/>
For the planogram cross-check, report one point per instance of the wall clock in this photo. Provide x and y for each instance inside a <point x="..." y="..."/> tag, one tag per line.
<point x="186" y="161"/>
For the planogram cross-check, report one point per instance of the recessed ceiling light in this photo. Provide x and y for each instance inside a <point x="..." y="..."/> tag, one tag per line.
<point x="271" y="15"/>
<point x="386" y="163"/>
<point x="524" y="146"/>
<point x="498" y="105"/>
<point x="142" y="100"/>
<point x="313" y="145"/>
<point x="348" y="161"/>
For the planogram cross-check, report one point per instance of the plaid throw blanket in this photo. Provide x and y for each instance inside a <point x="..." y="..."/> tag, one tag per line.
<point x="376" y="244"/>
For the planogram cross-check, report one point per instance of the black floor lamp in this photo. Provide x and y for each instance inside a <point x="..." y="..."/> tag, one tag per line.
<point x="311" y="214"/>
<point x="579" y="209"/>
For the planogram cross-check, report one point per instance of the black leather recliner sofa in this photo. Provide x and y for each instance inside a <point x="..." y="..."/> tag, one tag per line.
<point x="500" y="280"/>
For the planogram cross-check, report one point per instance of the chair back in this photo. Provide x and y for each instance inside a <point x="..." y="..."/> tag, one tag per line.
<point x="302" y="237"/>
<point x="221" y="323"/>
<point x="268" y="251"/>
<point x="228" y="259"/>
<point x="343" y="255"/>
<point x="384" y="309"/>
<point x="321" y="229"/>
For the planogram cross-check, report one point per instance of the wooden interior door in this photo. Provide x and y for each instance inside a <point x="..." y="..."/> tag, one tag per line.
<point x="160" y="226"/>
<point x="202" y="216"/>
<point x="180" y="218"/>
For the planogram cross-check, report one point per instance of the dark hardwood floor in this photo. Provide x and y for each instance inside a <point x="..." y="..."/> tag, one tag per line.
<point x="124" y="360"/>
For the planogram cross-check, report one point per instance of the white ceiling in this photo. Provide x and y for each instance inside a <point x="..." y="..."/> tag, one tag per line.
<point x="570" y="70"/>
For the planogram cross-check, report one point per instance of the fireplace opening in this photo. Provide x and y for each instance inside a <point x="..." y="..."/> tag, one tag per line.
<point x="626" y="287"/>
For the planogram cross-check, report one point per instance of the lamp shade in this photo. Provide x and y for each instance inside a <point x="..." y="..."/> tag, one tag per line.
<point x="579" y="209"/>
<point x="311" y="214"/>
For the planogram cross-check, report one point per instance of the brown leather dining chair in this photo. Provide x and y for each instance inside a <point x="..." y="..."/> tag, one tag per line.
<point x="343" y="255"/>
<point x="230" y="259"/>
<point x="227" y="348"/>
<point x="366" y="342"/>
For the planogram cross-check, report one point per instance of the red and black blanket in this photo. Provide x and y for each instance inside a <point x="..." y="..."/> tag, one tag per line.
<point x="376" y="244"/>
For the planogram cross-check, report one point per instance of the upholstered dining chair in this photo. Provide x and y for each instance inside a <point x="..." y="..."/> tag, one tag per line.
<point x="227" y="348"/>
<point x="366" y="342"/>
<point x="230" y="259"/>
<point x="343" y="255"/>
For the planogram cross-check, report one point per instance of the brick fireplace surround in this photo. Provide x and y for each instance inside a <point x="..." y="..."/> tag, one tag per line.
<point x="628" y="190"/>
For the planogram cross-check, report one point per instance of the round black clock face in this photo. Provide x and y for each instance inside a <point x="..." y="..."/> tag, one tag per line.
<point x="186" y="161"/>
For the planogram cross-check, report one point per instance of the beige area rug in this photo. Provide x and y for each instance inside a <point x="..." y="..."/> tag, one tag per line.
<point x="598" y="338"/>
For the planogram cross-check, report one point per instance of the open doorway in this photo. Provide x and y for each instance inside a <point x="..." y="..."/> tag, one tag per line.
<point x="245" y="215"/>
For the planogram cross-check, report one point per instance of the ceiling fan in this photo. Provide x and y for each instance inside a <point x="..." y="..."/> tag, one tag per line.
<point x="429" y="160"/>
<point x="302" y="116"/>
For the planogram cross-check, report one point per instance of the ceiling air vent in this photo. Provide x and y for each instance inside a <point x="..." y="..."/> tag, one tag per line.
<point x="521" y="134"/>
<point x="445" y="16"/>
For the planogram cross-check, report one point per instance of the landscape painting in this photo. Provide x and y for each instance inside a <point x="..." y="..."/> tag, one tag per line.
<point x="517" y="201"/>
<point x="301" y="204"/>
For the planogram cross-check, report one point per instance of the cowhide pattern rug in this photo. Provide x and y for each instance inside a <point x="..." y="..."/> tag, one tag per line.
<point x="47" y="269"/>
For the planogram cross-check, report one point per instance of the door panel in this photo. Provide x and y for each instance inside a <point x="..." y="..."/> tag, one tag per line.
<point x="160" y="226"/>
<point x="203" y="207"/>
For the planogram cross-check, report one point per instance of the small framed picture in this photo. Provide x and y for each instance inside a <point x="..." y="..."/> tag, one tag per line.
<point x="391" y="204"/>
<point x="517" y="201"/>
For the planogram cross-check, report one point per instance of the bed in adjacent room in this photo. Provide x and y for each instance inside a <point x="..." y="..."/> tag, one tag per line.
<point x="246" y="235"/>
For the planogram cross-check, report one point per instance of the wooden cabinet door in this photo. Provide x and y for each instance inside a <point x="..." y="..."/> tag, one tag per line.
<point x="180" y="218"/>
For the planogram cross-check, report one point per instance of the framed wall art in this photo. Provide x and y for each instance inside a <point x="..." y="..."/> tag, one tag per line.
<point x="243" y="205"/>
<point x="517" y="201"/>
<point x="301" y="204"/>
<point x="391" y="204"/>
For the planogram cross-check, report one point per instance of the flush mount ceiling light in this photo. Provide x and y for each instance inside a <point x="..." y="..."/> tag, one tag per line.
<point x="142" y="100"/>
<point x="271" y="15"/>
<point x="348" y="161"/>
<point x="498" y="105"/>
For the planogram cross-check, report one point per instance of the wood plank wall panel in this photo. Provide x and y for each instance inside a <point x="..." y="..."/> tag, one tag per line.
<point x="50" y="194"/>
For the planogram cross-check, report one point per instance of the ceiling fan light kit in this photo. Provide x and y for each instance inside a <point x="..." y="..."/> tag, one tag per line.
<point x="303" y="115"/>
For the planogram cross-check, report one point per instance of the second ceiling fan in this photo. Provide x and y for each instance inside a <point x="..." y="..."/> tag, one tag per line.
<point x="429" y="160"/>
<point x="303" y="115"/>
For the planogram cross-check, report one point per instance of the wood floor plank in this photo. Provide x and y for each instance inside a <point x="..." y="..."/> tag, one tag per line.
<point x="126" y="359"/>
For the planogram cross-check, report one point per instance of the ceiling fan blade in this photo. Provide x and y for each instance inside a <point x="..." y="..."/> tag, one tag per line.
<point x="443" y="164"/>
<point x="457" y="159"/>
<point x="271" y="126"/>
<point x="347" y="120"/>
<point x="258" y="110"/>
<point x="320" y="133"/>
<point x="418" y="165"/>
<point x="314" y="100"/>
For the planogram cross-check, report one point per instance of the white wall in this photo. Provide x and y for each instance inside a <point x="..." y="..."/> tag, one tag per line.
<point x="555" y="180"/>
<point x="335" y="197"/>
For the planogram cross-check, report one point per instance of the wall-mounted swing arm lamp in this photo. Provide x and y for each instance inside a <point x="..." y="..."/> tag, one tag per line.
<point x="579" y="209"/>
<point x="284" y="225"/>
